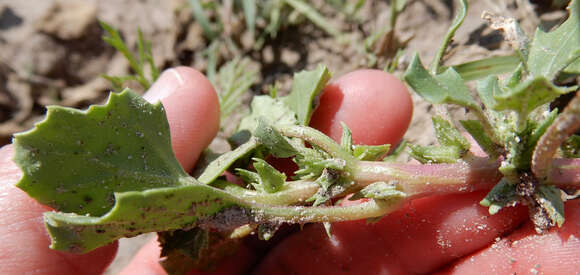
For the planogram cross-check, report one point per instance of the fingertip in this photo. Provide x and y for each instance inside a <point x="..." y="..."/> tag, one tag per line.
<point x="375" y="105"/>
<point x="525" y="251"/>
<point x="192" y="109"/>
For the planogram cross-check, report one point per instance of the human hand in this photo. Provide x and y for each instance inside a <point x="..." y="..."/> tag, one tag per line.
<point x="192" y="109"/>
<point x="424" y="236"/>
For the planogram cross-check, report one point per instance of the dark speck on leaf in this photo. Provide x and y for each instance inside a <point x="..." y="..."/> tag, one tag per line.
<point x="100" y="231"/>
<point x="87" y="199"/>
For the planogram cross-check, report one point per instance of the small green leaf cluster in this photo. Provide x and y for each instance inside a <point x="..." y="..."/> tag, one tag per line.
<point x="506" y="127"/>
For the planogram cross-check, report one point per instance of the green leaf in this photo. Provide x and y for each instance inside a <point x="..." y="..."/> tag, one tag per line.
<point x="475" y="129"/>
<point x="573" y="68"/>
<point x="487" y="88"/>
<point x="137" y="212"/>
<point x="447" y="87"/>
<point x="271" y="179"/>
<point x="346" y="139"/>
<point x="448" y="135"/>
<point x="380" y="191"/>
<point x="435" y="154"/>
<point x="515" y="78"/>
<point x="306" y="87"/>
<point x="276" y="143"/>
<point x="488" y="66"/>
<point x="272" y="110"/>
<point x="217" y="167"/>
<point x="233" y="80"/>
<point x="75" y="160"/>
<point x="252" y="178"/>
<point x="549" y="199"/>
<point x="371" y="152"/>
<point x="503" y="194"/>
<point x="528" y="95"/>
<point x="553" y="51"/>
<point x="528" y="141"/>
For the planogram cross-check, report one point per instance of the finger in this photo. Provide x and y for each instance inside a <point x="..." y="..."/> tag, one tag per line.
<point x="435" y="230"/>
<point x="525" y="251"/>
<point x="192" y="108"/>
<point x="376" y="106"/>
<point x="24" y="238"/>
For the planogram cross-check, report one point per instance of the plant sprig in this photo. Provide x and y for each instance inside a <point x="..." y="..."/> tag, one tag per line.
<point x="123" y="180"/>
<point x="137" y="63"/>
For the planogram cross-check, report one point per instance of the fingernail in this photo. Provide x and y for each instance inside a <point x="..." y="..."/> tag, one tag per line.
<point x="169" y="81"/>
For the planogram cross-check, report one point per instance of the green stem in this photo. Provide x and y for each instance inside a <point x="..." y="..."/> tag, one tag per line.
<point x="292" y="192"/>
<point x="393" y="15"/>
<point x="321" y="140"/>
<point x="562" y="127"/>
<point x="425" y="179"/>
<point x="304" y="214"/>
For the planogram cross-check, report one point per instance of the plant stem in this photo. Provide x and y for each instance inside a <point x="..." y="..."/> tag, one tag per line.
<point x="393" y="15"/>
<point x="425" y="179"/>
<point x="292" y="192"/>
<point x="564" y="126"/>
<point x="319" y="139"/>
<point x="304" y="214"/>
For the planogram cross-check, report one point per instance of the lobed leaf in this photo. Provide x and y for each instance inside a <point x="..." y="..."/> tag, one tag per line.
<point x="75" y="160"/>
<point x="137" y="212"/>
<point x="448" y="135"/>
<point x="528" y="95"/>
<point x="271" y="179"/>
<point x="271" y="110"/>
<point x="551" y="52"/>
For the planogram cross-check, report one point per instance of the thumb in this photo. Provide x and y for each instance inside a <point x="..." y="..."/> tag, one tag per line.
<point x="192" y="108"/>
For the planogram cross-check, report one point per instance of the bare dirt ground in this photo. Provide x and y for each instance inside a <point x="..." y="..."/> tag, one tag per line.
<point x="51" y="51"/>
